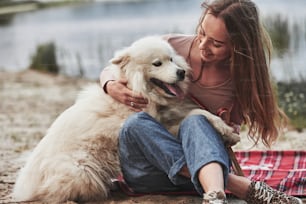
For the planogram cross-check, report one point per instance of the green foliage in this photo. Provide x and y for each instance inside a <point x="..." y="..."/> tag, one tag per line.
<point x="292" y="99"/>
<point x="45" y="59"/>
<point x="278" y="29"/>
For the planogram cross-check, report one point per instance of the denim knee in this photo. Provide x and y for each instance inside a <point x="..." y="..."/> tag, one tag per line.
<point x="189" y="122"/>
<point x="133" y="123"/>
<point x="202" y="145"/>
<point x="192" y="119"/>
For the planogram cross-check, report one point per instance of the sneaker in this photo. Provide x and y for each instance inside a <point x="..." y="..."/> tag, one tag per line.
<point x="214" y="197"/>
<point x="259" y="192"/>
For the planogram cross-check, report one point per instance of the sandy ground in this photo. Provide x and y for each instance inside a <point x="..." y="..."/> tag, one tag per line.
<point x="30" y="101"/>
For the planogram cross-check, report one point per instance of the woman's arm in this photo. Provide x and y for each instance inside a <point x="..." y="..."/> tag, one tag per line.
<point x="106" y="76"/>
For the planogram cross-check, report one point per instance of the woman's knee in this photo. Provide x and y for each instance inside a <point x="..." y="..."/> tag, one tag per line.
<point x="197" y="127"/>
<point x="134" y="124"/>
<point x="192" y="120"/>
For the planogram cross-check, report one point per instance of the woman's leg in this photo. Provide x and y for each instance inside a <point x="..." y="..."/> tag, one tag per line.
<point x="238" y="185"/>
<point x="150" y="157"/>
<point x="147" y="149"/>
<point x="205" y="153"/>
<point x="211" y="177"/>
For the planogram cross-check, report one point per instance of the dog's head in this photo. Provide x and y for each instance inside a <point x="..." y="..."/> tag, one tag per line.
<point x="153" y="68"/>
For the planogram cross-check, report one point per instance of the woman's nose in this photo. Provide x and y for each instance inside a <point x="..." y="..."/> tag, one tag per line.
<point x="203" y="43"/>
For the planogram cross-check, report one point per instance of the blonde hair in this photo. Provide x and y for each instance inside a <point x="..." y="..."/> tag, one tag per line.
<point x="250" y="60"/>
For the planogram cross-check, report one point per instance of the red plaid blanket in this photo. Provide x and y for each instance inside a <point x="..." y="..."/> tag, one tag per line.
<point x="282" y="170"/>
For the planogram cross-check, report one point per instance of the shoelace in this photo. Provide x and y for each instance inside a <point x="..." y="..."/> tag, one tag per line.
<point x="266" y="194"/>
<point x="262" y="192"/>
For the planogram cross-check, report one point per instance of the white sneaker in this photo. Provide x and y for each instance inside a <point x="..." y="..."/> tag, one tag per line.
<point x="214" y="197"/>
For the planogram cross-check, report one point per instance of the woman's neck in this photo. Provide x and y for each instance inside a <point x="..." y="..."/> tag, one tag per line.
<point x="221" y="65"/>
<point x="215" y="73"/>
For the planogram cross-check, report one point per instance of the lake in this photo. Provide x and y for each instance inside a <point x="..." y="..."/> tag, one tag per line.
<point x="86" y="35"/>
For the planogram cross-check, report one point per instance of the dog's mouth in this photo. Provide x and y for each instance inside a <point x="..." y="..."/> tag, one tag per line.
<point x="170" y="89"/>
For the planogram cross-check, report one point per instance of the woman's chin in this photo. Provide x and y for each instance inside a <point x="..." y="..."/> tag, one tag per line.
<point x="207" y="58"/>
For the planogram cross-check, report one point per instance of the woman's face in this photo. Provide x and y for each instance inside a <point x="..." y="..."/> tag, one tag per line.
<point x="214" y="39"/>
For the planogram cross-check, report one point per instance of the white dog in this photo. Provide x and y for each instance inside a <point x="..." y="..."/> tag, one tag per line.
<point x="77" y="158"/>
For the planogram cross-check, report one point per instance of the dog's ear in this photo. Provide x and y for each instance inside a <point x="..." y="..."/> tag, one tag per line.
<point x="137" y="80"/>
<point x="121" y="58"/>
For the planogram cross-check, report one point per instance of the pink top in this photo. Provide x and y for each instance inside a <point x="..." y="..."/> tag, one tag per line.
<point x="214" y="98"/>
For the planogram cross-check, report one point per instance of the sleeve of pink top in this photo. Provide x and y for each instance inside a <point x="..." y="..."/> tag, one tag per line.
<point x="105" y="76"/>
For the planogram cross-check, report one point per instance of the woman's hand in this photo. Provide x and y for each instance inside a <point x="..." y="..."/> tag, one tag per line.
<point x="120" y="92"/>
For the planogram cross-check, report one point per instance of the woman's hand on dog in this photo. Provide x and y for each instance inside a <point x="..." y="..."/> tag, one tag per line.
<point x="120" y="92"/>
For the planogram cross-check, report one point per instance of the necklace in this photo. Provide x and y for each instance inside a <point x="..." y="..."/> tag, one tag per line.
<point x="202" y="63"/>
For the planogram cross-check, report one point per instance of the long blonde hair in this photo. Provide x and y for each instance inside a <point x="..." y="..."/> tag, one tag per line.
<point x="250" y="60"/>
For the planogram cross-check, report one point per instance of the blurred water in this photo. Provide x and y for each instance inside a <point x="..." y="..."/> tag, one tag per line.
<point x="86" y="35"/>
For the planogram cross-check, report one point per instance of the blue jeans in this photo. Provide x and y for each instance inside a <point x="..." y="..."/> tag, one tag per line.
<point x="151" y="158"/>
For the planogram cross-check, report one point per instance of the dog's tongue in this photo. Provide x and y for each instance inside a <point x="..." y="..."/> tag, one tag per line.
<point x="175" y="90"/>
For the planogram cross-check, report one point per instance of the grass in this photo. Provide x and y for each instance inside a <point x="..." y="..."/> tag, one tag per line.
<point x="292" y="99"/>
<point x="45" y="59"/>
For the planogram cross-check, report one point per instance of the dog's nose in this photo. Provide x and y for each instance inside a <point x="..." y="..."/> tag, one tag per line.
<point x="180" y="74"/>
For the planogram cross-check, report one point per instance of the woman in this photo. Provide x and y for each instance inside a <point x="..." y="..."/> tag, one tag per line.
<point x="229" y="64"/>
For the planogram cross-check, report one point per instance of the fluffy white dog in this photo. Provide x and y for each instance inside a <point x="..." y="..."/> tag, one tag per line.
<point x="77" y="158"/>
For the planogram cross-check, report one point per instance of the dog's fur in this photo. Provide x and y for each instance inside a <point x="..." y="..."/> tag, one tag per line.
<point x="77" y="158"/>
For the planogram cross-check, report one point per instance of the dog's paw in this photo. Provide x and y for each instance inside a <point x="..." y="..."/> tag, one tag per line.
<point x="220" y="125"/>
<point x="227" y="132"/>
<point x="231" y="139"/>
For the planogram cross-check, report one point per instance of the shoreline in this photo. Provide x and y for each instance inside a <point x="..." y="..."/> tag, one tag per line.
<point x="11" y="8"/>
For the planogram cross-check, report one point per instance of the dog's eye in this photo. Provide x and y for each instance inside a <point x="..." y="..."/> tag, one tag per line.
<point x="157" y="63"/>
<point x="171" y="59"/>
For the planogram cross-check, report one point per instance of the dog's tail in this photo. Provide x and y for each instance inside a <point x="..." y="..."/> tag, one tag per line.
<point x="69" y="179"/>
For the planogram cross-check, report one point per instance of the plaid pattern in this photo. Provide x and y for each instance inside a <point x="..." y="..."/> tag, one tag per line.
<point x="282" y="170"/>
